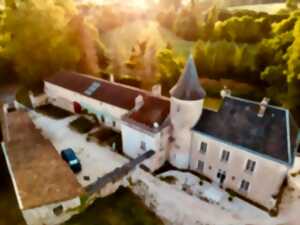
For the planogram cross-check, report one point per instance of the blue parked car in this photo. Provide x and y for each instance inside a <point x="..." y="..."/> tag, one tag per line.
<point x="70" y="157"/>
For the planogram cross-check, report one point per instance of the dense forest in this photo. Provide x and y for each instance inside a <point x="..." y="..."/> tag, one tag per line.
<point x="243" y="48"/>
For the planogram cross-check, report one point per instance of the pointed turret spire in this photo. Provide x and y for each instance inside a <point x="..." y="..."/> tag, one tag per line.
<point x="188" y="86"/>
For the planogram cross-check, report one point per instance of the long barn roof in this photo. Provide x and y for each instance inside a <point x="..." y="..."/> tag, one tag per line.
<point x="41" y="176"/>
<point x="154" y="110"/>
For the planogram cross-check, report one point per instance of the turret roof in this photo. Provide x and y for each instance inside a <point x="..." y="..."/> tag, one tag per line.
<point x="188" y="86"/>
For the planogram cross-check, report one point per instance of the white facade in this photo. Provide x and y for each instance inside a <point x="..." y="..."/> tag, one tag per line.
<point x="137" y="142"/>
<point x="267" y="172"/>
<point x="52" y="214"/>
<point x="111" y="116"/>
<point x="107" y="114"/>
<point x="184" y="115"/>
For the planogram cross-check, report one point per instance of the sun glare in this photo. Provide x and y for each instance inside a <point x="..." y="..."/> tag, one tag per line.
<point x="141" y="4"/>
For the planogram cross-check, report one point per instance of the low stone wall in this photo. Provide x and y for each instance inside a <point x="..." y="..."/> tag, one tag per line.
<point x="143" y="183"/>
<point x="53" y="214"/>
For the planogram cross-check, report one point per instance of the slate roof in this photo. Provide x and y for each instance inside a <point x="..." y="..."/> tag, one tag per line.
<point x="237" y="123"/>
<point x="188" y="86"/>
<point x="155" y="109"/>
<point x="41" y="176"/>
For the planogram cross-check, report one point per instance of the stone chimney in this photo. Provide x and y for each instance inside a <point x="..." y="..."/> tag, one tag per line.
<point x="156" y="90"/>
<point x="263" y="107"/>
<point x="225" y="92"/>
<point x="139" y="102"/>
<point x="111" y="78"/>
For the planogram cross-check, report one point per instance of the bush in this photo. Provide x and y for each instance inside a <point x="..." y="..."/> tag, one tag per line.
<point x="169" y="179"/>
<point x="53" y="111"/>
<point x="82" y="125"/>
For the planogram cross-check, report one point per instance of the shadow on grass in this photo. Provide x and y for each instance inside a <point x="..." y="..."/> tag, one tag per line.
<point x="121" y="208"/>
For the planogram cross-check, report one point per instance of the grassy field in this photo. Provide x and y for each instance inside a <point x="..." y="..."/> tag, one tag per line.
<point x="271" y="8"/>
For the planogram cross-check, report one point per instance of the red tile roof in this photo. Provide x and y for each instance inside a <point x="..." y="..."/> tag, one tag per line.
<point x="155" y="108"/>
<point x="41" y="176"/>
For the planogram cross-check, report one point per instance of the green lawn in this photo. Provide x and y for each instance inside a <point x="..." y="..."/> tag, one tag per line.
<point x="271" y="8"/>
<point x="121" y="208"/>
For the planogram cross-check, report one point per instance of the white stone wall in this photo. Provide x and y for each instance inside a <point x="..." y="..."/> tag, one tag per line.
<point x="184" y="115"/>
<point x="37" y="101"/>
<point x="64" y="98"/>
<point x="132" y="138"/>
<point x="45" y="215"/>
<point x="265" y="181"/>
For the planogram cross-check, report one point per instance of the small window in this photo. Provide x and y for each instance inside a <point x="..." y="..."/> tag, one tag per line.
<point x="114" y="123"/>
<point x="244" y="186"/>
<point x="203" y="147"/>
<point x="200" y="166"/>
<point x="58" y="210"/>
<point x="143" y="145"/>
<point x="178" y="109"/>
<point x="225" y="156"/>
<point x="102" y="119"/>
<point x="250" y="167"/>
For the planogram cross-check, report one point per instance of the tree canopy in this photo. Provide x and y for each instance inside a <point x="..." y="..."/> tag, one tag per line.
<point x="44" y="36"/>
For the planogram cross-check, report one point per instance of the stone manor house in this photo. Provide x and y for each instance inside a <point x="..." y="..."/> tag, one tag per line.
<point x="247" y="147"/>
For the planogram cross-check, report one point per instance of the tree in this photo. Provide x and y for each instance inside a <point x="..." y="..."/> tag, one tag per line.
<point x="284" y="25"/>
<point x="293" y="68"/>
<point x="292" y="4"/>
<point x="169" y="66"/>
<point x="243" y="29"/>
<point x="166" y="18"/>
<point x="186" y="26"/>
<point x="223" y="59"/>
<point x="167" y="4"/>
<point x="92" y="51"/>
<point x="293" y="55"/>
<point x="39" y="42"/>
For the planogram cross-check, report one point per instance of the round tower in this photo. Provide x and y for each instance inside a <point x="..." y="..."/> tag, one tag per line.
<point x="187" y="98"/>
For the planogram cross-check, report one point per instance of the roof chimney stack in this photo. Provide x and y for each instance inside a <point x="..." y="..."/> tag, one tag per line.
<point x="111" y="78"/>
<point x="263" y="107"/>
<point x="139" y="102"/>
<point x="156" y="90"/>
<point x="225" y="92"/>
